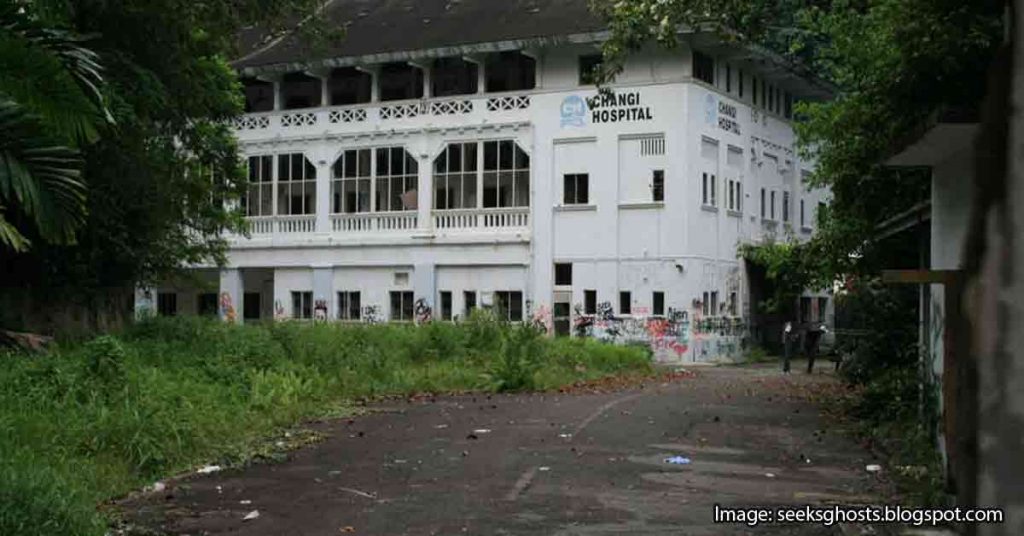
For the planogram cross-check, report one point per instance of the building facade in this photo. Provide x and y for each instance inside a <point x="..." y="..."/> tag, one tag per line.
<point x="406" y="181"/>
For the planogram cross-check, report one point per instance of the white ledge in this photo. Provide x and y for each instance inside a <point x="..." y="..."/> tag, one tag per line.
<point x="642" y="205"/>
<point x="575" y="208"/>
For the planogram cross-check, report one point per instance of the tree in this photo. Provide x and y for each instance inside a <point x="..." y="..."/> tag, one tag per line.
<point x="50" y="104"/>
<point x="162" y="177"/>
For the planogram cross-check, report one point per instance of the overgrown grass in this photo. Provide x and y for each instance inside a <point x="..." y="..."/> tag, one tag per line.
<point x="95" y="420"/>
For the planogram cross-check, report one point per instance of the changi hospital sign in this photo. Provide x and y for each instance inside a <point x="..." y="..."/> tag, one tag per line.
<point x="721" y="113"/>
<point x="605" y="108"/>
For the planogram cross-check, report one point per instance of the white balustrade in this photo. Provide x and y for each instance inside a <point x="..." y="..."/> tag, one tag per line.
<point x="348" y="115"/>
<point x="508" y="102"/>
<point x="298" y="119"/>
<point x="252" y="122"/>
<point x="369" y="222"/>
<point x="451" y="107"/>
<point x="296" y="224"/>
<point x="261" y="225"/>
<point x="400" y="111"/>
<point x="482" y="219"/>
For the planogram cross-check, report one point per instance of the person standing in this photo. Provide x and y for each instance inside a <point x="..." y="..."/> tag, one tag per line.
<point x="813" y="339"/>
<point x="787" y="346"/>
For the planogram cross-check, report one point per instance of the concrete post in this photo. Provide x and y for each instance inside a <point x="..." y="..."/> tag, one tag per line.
<point x="232" y="293"/>
<point x="424" y="286"/>
<point x="323" y="291"/>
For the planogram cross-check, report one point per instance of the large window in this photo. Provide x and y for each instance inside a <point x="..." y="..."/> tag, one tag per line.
<point x="508" y="305"/>
<point x="299" y="90"/>
<point x="506" y="176"/>
<point x="455" y="177"/>
<point x="402" y="305"/>
<point x="399" y="81"/>
<point x="296" y="185"/>
<point x="510" y="71"/>
<point x="259" y="197"/>
<point x="396" y="177"/>
<point x="350" y="187"/>
<point x="453" y="76"/>
<point x="259" y="95"/>
<point x="504" y="180"/>
<point x="167" y="304"/>
<point x="347" y="85"/>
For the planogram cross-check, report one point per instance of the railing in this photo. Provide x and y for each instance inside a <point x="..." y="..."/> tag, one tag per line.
<point x="477" y="219"/>
<point x="468" y="106"/>
<point x="374" y="222"/>
<point x="262" y="225"/>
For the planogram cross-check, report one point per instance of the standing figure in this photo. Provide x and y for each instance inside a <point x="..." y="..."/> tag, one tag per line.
<point x="813" y="339"/>
<point x="787" y="346"/>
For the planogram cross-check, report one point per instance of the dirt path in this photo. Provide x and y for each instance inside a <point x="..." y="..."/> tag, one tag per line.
<point x="564" y="464"/>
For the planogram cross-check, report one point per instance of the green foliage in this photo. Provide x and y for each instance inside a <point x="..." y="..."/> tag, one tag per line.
<point x="50" y="104"/>
<point x="878" y="329"/>
<point x="97" y="419"/>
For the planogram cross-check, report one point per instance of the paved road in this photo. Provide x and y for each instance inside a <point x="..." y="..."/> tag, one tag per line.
<point x="551" y="464"/>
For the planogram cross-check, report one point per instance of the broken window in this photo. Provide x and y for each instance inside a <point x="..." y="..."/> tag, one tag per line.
<point x="396" y="179"/>
<point x="455" y="177"/>
<point x="259" y="196"/>
<point x="259" y="95"/>
<point x="302" y="305"/>
<point x="576" y="188"/>
<point x="509" y="305"/>
<point x="400" y="81"/>
<point x="510" y="71"/>
<point x="589" y="66"/>
<point x="167" y="303"/>
<point x="349" y="306"/>
<point x="590" y="302"/>
<point x="563" y="273"/>
<point x="506" y="175"/>
<point x="299" y="90"/>
<point x="296" y="185"/>
<point x="453" y="76"/>
<point x="402" y="305"/>
<point x="350" y="186"/>
<point x="446" y="305"/>
<point x="348" y="85"/>
<point x="703" y="67"/>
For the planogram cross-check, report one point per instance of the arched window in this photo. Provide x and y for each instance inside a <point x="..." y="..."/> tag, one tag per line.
<point x="396" y="176"/>
<point x="382" y="179"/>
<point x="488" y="174"/>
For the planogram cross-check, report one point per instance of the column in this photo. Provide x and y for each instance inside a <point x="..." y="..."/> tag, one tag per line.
<point x="232" y="292"/>
<point x="323" y="291"/>
<point x="424" y="284"/>
<point x="425" y="183"/>
<point x="323" y="189"/>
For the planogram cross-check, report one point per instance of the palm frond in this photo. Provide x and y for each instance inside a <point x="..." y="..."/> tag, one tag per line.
<point x="38" y="177"/>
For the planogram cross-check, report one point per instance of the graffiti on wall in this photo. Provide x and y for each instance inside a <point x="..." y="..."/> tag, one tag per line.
<point x="541" y="319"/>
<point x="227" y="308"/>
<point x="372" y="315"/>
<point x="320" y="311"/>
<point x="677" y="336"/>
<point x="422" y="311"/>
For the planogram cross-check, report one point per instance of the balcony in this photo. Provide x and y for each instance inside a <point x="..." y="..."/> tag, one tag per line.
<point x="407" y="114"/>
<point x="502" y="224"/>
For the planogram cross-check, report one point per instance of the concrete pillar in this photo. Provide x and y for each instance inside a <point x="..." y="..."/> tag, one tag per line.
<point x="322" y="161"/>
<point x="323" y="290"/>
<point x="232" y="293"/>
<point x="277" y="93"/>
<point x="424" y="284"/>
<point x="424" y="196"/>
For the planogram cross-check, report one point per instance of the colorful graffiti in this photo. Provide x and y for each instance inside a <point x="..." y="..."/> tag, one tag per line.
<point x="227" y="308"/>
<point x="541" y="319"/>
<point x="672" y="337"/>
<point x="320" y="311"/>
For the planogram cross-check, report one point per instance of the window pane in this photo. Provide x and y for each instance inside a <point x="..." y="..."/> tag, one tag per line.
<point x="383" y="162"/>
<point x="490" y="155"/>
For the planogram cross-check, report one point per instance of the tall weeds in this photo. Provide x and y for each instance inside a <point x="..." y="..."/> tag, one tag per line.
<point x="95" y="420"/>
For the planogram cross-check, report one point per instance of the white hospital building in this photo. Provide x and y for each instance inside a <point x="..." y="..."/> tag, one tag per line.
<point x="444" y="156"/>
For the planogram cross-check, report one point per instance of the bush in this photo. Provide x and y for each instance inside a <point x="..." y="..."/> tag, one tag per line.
<point x="95" y="420"/>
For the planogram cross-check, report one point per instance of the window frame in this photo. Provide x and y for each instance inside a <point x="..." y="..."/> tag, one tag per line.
<point x="658" y="303"/>
<point x="503" y="305"/>
<point x="625" y="302"/>
<point x="405" y="312"/>
<point x="560" y="281"/>
<point x="571" y="196"/>
<point x="287" y="184"/>
<point x="362" y="183"/>
<point x="349" y="309"/>
<point x="263" y="186"/>
<point x="658" y="185"/>
<point x="302" y="304"/>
